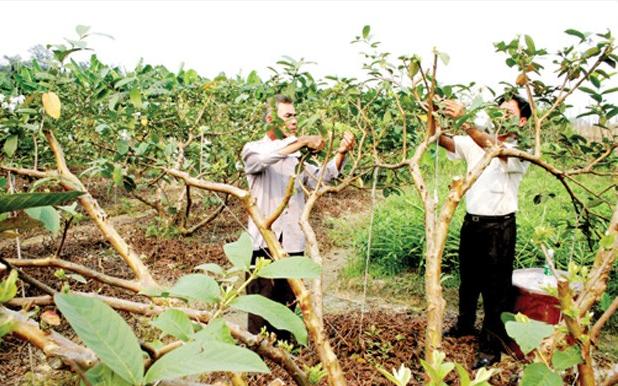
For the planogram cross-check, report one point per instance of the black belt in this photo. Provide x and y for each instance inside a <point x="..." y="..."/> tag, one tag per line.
<point x="479" y="218"/>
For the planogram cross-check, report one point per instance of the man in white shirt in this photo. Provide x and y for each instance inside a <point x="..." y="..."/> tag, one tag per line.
<point x="488" y="233"/>
<point x="269" y="163"/>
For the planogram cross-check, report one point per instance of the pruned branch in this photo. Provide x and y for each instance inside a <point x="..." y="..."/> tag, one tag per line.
<point x="50" y="342"/>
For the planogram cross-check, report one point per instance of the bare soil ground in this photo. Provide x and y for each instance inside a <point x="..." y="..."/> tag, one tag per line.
<point x="387" y="334"/>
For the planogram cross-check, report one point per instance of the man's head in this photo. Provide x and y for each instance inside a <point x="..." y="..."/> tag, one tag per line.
<point x="515" y="106"/>
<point x="285" y="110"/>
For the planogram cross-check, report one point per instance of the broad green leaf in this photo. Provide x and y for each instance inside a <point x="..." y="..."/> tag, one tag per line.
<point x="576" y="33"/>
<point x="530" y="44"/>
<point x="101" y="375"/>
<point x="297" y="267"/>
<point x="538" y="374"/>
<point x="215" y="330"/>
<point x="482" y="377"/>
<point x="125" y="81"/>
<point x="8" y="288"/>
<point x="136" y="98"/>
<point x="17" y="201"/>
<point x="399" y="377"/>
<point x="122" y="147"/>
<point x="105" y="333"/>
<point x="6" y="326"/>
<point x="528" y="335"/>
<point x="117" y="175"/>
<point x="10" y="145"/>
<point x="607" y="241"/>
<point x="77" y="278"/>
<point x="175" y="323"/>
<point x="47" y="215"/>
<point x="196" y="286"/>
<point x="444" y="57"/>
<point x="211" y="267"/>
<point x="198" y="358"/>
<point x="239" y="252"/>
<point x="275" y="313"/>
<point x="605" y="301"/>
<point x="464" y="377"/>
<point x="562" y="360"/>
<point x="366" y="30"/>
<point x="82" y="30"/>
<point x="51" y="104"/>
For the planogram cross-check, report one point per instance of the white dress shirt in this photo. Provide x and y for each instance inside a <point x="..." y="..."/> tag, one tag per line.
<point x="268" y="173"/>
<point x="494" y="193"/>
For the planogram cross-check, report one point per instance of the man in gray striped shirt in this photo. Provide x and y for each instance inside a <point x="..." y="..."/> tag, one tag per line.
<point x="269" y="163"/>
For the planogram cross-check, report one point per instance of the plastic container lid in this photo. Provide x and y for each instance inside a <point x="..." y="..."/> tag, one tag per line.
<point x="534" y="280"/>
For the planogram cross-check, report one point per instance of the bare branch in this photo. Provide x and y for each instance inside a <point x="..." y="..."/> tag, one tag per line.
<point x="78" y="268"/>
<point x="598" y="326"/>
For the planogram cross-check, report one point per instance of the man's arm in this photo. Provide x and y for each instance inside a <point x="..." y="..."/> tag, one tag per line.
<point x="334" y="166"/>
<point x="258" y="157"/>
<point x="347" y="145"/>
<point x="313" y="142"/>
<point x="455" y="110"/>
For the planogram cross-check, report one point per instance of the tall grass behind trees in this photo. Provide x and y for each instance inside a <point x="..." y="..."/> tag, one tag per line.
<point x="398" y="238"/>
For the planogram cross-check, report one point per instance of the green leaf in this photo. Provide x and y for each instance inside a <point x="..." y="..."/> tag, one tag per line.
<point x="366" y="30"/>
<point x="528" y="335"/>
<point x="591" y="52"/>
<point x="175" y="323"/>
<point x="211" y="267"/>
<point x="530" y="44"/>
<point x="574" y="32"/>
<point x="538" y="374"/>
<point x="196" y="286"/>
<point x="444" y="57"/>
<point x="17" y="201"/>
<point x="562" y="360"/>
<point x="47" y="215"/>
<point x="136" y="98"/>
<point x="609" y="90"/>
<point x="275" y="313"/>
<point x="122" y="146"/>
<point x="297" y="267"/>
<point x="215" y="330"/>
<point x="464" y="377"/>
<point x="6" y="326"/>
<point x="8" y="288"/>
<point x="124" y="81"/>
<point x="82" y="30"/>
<point x="10" y="145"/>
<point x="117" y="175"/>
<point x="607" y="241"/>
<point x="197" y="358"/>
<point x="105" y="333"/>
<point x="101" y="375"/>
<point x="239" y="252"/>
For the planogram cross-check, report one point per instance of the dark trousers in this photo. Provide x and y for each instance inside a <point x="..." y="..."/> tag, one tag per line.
<point x="275" y="289"/>
<point x="486" y="256"/>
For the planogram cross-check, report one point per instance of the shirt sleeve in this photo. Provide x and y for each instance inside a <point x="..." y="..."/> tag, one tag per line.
<point x="461" y="146"/>
<point x="514" y="164"/>
<point x="311" y="173"/>
<point x="257" y="156"/>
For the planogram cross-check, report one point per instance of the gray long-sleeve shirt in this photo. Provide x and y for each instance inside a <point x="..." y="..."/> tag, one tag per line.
<point x="268" y="174"/>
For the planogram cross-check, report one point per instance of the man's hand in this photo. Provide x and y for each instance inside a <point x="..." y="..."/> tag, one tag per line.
<point x="454" y="109"/>
<point x="347" y="143"/>
<point x="313" y="142"/>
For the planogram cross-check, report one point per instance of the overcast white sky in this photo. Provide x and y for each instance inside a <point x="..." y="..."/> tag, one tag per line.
<point x="239" y="36"/>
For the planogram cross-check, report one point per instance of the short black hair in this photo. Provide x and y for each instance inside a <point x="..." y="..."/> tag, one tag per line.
<point x="522" y="104"/>
<point x="274" y="101"/>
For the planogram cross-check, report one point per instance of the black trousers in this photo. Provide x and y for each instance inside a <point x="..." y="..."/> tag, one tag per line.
<point x="275" y="289"/>
<point x="486" y="256"/>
